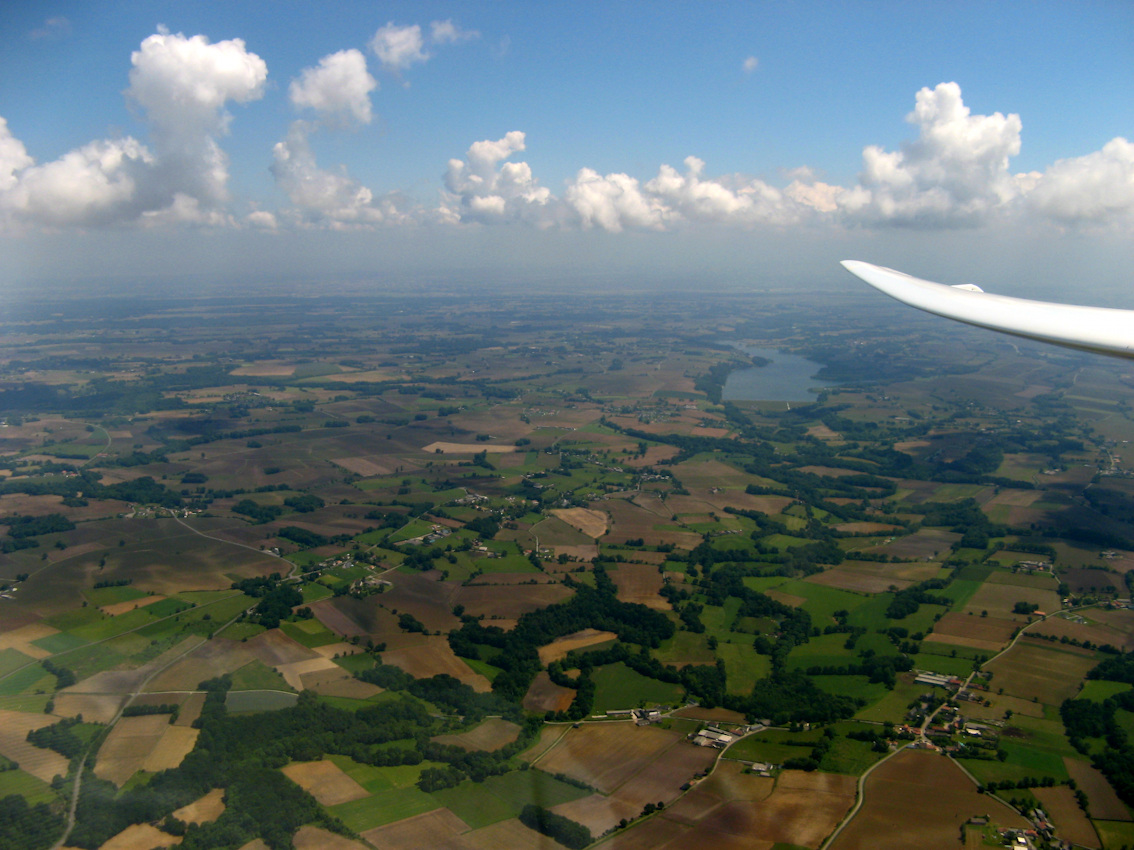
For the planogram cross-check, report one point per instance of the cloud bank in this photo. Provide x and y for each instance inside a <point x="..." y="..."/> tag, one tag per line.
<point x="955" y="172"/>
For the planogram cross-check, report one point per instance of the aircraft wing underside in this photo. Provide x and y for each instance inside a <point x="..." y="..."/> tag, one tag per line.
<point x="1100" y="329"/>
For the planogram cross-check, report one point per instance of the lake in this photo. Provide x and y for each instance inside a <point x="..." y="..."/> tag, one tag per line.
<point x="787" y="378"/>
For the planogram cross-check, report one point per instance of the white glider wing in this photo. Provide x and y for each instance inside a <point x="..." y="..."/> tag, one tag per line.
<point x="1100" y="329"/>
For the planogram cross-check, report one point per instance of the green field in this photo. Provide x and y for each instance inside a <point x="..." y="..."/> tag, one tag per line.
<point x="384" y="807"/>
<point x="617" y="687"/>
<point x="743" y="666"/>
<point x="257" y="676"/>
<point x="309" y="633"/>
<point x="1098" y="690"/>
<point x="822" y="651"/>
<point x="27" y="786"/>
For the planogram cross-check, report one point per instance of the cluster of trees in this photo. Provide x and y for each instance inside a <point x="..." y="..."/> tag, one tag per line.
<point x="28" y="827"/>
<point x="563" y="830"/>
<point x="60" y="737"/>
<point x="906" y="602"/>
<point x="64" y="677"/>
<point x="32" y="526"/>
<point x="258" y="513"/>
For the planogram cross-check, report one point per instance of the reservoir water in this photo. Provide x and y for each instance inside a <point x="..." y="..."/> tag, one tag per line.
<point x="788" y="377"/>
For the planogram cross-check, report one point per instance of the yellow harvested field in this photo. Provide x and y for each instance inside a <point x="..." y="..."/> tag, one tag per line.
<point x="205" y="810"/>
<point x="325" y="782"/>
<point x="559" y="647"/>
<point x="294" y="672"/>
<point x="130" y="604"/>
<point x="141" y="837"/>
<point x="40" y="763"/>
<point x="21" y="639"/>
<point x="128" y="746"/>
<point x="439" y="829"/>
<point x="466" y="448"/>
<point x="340" y="649"/>
<point x="591" y="522"/>
<point x="314" y="838"/>
<point x="176" y="743"/>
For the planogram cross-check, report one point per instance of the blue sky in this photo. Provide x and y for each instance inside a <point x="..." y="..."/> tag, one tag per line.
<point x="730" y="141"/>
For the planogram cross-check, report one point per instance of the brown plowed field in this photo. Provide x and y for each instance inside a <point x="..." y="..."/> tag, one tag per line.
<point x="917" y="799"/>
<point x="190" y="709"/>
<point x="325" y="782"/>
<point x="999" y="599"/>
<point x="511" y="605"/>
<point x="857" y="582"/>
<point x="604" y="755"/>
<point x="545" y="695"/>
<point x="275" y="649"/>
<point x="1035" y="670"/>
<point x="314" y="838"/>
<point x="713" y="715"/>
<point x="598" y="813"/>
<point x="128" y="746"/>
<point x="1105" y="804"/>
<point x="510" y="834"/>
<point x="640" y="583"/>
<point x="439" y="829"/>
<point x="653" y="834"/>
<point x="990" y="630"/>
<point x="431" y="656"/>
<point x="95" y="708"/>
<point x="704" y="836"/>
<point x="1095" y="633"/>
<point x="1070" y="822"/>
<point x="661" y="781"/>
<point x="213" y="658"/>
<point x="489" y="736"/>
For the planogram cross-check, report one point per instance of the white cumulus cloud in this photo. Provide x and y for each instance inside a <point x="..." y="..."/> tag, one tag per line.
<point x="954" y="174"/>
<point x="447" y="32"/>
<point x="479" y="191"/>
<point x="398" y="47"/>
<point x="1095" y="188"/>
<point x="325" y="197"/>
<point x="338" y="86"/>
<point x="750" y="64"/>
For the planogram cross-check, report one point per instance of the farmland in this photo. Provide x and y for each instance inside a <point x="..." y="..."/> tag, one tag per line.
<point x="459" y="551"/>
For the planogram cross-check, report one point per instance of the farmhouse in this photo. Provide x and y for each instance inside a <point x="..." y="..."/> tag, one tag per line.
<point x="936" y="679"/>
